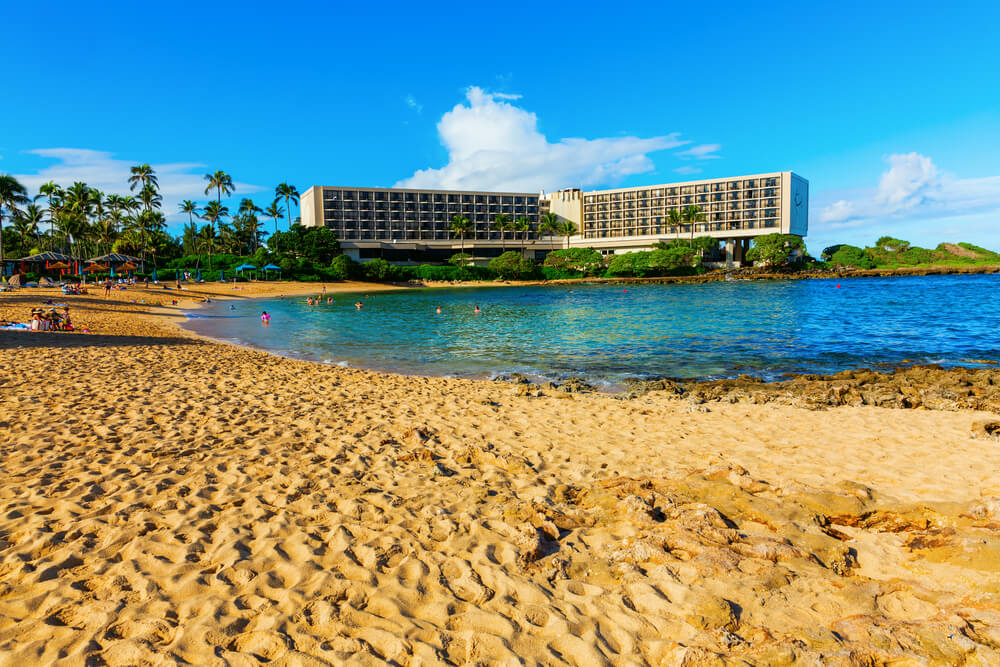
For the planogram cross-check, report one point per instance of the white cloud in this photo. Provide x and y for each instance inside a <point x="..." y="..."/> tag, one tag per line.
<point x="411" y="102"/>
<point x="687" y="169"/>
<point x="495" y="145"/>
<point x="101" y="170"/>
<point x="701" y="152"/>
<point x="913" y="187"/>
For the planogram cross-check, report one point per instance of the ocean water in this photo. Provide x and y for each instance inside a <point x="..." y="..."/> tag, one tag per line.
<point x="607" y="333"/>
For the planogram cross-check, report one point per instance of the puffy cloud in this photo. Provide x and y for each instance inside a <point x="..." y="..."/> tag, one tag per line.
<point x="700" y="152"/>
<point x="494" y="145"/>
<point x="101" y="170"/>
<point x="913" y="187"/>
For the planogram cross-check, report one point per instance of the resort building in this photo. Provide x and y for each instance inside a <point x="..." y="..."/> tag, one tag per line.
<point x="734" y="210"/>
<point x="403" y="225"/>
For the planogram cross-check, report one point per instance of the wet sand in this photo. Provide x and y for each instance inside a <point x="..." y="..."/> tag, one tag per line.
<point x="169" y="499"/>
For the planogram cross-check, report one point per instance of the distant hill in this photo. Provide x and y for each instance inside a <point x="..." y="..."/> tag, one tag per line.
<point x="890" y="253"/>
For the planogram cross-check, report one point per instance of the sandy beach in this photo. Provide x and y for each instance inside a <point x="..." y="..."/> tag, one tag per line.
<point x="168" y="499"/>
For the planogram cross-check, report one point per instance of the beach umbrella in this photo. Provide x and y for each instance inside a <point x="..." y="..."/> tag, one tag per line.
<point x="222" y="275"/>
<point x="58" y="265"/>
<point x="94" y="268"/>
<point x="198" y="275"/>
<point x="154" y="274"/>
<point x="272" y="267"/>
<point x="112" y="272"/>
<point x="128" y="266"/>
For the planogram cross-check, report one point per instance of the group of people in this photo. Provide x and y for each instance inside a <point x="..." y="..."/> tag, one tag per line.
<point x="51" y="320"/>
<point x="75" y="289"/>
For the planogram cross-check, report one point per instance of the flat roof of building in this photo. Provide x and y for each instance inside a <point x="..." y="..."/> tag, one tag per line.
<point x="773" y="174"/>
<point x="419" y="190"/>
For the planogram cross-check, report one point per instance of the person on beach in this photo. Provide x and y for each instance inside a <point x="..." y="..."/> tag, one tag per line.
<point x="265" y="319"/>
<point x="107" y="287"/>
<point x="147" y="282"/>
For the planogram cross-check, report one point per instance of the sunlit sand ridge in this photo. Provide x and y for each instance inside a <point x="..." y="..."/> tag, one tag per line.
<point x="169" y="499"/>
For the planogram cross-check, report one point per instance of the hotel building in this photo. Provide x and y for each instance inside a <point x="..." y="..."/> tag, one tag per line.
<point x="404" y="225"/>
<point x="734" y="210"/>
<point x="412" y="225"/>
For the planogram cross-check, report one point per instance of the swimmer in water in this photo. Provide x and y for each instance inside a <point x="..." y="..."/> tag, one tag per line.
<point x="265" y="319"/>
<point x="438" y="310"/>
<point x="329" y="299"/>
<point x="232" y="307"/>
<point x="477" y="309"/>
<point x="358" y="305"/>
<point x="309" y="301"/>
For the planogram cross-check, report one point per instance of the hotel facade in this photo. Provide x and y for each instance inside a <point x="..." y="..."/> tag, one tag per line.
<point x="412" y="225"/>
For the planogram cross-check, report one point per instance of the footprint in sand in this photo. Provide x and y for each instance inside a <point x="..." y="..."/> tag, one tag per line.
<point x="464" y="583"/>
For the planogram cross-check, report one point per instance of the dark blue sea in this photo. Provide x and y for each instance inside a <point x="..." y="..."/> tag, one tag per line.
<point x="607" y="333"/>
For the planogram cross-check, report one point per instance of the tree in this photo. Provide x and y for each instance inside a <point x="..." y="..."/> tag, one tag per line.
<point x="214" y="211"/>
<point x="522" y="225"/>
<point x="849" y="255"/>
<point x="830" y="251"/>
<point x="142" y="176"/>
<point x="12" y="195"/>
<point x="150" y="198"/>
<point x="547" y="224"/>
<point x="206" y="242"/>
<point x="53" y="192"/>
<point x="503" y="223"/>
<point x="290" y="193"/>
<point x="890" y="244"/>
<point x="567" y="228"/>
<point x="693" y="215"/>
<point x="460" y="225"/>
<point x="274" y="212"/>
<point x="774" y="249"/>
<point x="581" y="260"/>
<point x="675" y="218"/>
<point x="191" y="208"/>
<point x="316" y="244"/>
<point x="26" y="225"/>
<point x="511" y="265"/>
<point x="221" y="182"/>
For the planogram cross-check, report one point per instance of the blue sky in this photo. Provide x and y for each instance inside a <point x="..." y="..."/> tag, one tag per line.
<point x="891" y="110"/>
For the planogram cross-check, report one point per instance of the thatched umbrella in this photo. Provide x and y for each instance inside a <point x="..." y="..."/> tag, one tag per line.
<point x="95" y="268"/>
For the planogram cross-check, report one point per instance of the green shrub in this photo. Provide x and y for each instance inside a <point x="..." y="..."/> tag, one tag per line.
<point x="512" y="266"/>
<point x="849" y="255"/>
<point x="343" y="268"/>
<point x="634" y="264"/>
<point x="774" y="249"/>
<point x="376" y="269"/>
<point x="583" y="261"/>
<point x="460" y="259"/>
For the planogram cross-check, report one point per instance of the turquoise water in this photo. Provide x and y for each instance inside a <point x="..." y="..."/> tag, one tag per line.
<point x="607" y="333"/>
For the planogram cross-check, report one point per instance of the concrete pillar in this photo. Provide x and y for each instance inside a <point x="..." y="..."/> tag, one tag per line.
<point x="729" y="253"/>
<point x="738" y="252"/>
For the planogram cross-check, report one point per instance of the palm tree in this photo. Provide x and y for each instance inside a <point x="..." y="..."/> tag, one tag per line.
<point x="12" y="195"/>
<point x="26" y="224"/>
<point x="675" y="217"/>
<point x="214" y="211"/>
<point x="504" y="223"/>
<point x="567" y="228"/>
<point x="150" y="197"/>
<point x="77" y="207"/>
<point x="206" y="242"/>
<point x="290" y="194"/>
<point x="221" y="182"/>
<point x="522" y="225"/>
<point x="547" y="224"/>
<point x="274" y="211"/>
<point x="106" y="233"/>
<point x="692" y="215"/>
<point x="53" y="192"/>
<point x="147" y="224"/>
<point x="460" y="225"/>
<point x="142" y="176"/>
<point x="249" y="227"/>
<point x="189" y="207"/>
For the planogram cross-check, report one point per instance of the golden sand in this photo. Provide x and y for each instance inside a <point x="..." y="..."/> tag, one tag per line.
<point x="168" y="499"/>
